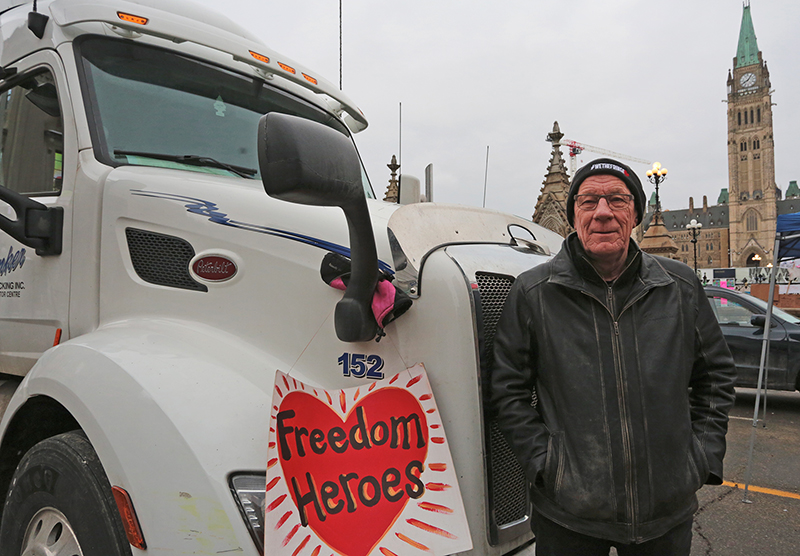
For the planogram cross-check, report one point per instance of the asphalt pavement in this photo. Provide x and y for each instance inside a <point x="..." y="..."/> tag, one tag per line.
<point x="768" y="524"/>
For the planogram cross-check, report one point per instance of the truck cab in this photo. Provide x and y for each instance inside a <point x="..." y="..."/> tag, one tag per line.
<point x="150" y="288"/>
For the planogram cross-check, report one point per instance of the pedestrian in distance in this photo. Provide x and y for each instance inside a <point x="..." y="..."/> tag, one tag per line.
<point x="633" y="380"/>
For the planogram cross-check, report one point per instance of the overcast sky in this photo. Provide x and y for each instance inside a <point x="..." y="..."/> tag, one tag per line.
<point x="642" y="78"/>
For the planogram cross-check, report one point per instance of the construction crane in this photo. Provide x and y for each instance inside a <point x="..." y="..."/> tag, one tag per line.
<point x="576" y="148"/>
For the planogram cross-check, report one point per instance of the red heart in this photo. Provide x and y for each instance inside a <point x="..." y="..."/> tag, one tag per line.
<point x="362" y="474"/>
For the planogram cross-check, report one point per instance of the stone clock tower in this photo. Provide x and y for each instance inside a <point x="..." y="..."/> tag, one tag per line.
<point x="751" y="154"/>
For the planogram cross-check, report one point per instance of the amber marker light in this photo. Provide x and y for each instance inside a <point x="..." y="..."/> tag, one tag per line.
<point x="130" y="18"/>
<point x="284" y="67"/>
<point x="259" y="57"/>
<point x="310" y="79"/>
<point x="129" y="520"/>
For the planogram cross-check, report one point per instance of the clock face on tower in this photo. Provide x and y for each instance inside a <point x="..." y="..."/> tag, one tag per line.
<point x="747" y="80"/>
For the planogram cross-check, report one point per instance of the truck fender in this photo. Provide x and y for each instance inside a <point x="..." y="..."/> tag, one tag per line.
<point x="172" y="410"/>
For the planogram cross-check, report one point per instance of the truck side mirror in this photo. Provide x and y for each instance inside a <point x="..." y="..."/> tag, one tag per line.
<point x="312" y="164"/>
<point x="36" y="225"/>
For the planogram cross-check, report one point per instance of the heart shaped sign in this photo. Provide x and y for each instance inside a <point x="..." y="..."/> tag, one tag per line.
<point x="351" y="478"/>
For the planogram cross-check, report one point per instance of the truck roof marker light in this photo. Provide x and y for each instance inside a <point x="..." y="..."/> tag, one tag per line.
<point x="310" y="79"/>
<point x="259" y="57"/>
<point x="284" y="67"/>
<point x="57" y="339"/>
<point x="130" y="18"/>
<point x="129" y="520"/>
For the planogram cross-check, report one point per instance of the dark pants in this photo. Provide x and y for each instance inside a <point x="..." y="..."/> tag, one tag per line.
<point x="554" y="540"/>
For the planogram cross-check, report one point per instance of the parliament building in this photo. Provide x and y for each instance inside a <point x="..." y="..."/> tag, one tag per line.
<point x="739" y="230"/>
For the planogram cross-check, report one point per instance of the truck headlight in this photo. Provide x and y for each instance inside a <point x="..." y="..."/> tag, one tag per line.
<point x="249" y="491"/>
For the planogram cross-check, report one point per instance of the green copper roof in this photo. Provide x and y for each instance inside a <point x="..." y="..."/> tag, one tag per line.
<point x="723" y="196"/>
<point x="747" y="52"/>
<point x="793" y="190"/>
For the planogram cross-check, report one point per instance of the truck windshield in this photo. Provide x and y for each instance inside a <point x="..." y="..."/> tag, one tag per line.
<point x="153" y="107"/>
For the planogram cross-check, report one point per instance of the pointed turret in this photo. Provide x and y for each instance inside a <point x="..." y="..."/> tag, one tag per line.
<point x="551" y="206"/>
<point x="747" y="52"/>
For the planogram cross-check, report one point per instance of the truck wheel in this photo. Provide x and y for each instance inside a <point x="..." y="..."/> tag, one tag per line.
<point x="60" y="503"/>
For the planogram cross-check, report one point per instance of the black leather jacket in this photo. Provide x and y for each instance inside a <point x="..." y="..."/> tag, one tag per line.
<point x="634" y="383"/>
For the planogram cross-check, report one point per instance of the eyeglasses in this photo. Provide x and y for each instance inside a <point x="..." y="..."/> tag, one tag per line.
<point x="617" y="201"/>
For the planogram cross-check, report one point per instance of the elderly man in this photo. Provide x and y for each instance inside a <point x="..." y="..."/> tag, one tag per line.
<point x="633" y="377"/>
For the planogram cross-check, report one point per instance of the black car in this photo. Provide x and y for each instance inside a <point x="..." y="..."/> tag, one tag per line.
<point x="742" y="319"/>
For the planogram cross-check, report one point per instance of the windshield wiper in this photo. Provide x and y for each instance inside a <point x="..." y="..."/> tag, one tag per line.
<point x="192" y="159"/>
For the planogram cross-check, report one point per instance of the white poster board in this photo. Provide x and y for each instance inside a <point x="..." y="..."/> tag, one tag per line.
<point x="361" y="471"/>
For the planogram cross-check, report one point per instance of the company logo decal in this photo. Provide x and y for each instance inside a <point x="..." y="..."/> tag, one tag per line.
<point x="214" y="268"/>
<point x="9" y="264"/>
<point x="210" y="209"/>
<point x="12" y="262"/>
<point x="362" y="471"/>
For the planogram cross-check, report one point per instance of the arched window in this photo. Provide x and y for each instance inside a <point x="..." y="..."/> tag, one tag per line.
<point x="740" y="118"/>
<point x="751" y="115"/>
<point x="758" y="114"/>
<point x="752" y="221"/>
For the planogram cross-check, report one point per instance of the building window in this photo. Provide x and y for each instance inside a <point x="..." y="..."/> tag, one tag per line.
<point x="758" y="114"/>
<point x="740" y="118"/>
<point x="752" y="221"/>
<point x="751" y="115"/>
<point x="745" y="117"/>
<point x="742" y="146"/>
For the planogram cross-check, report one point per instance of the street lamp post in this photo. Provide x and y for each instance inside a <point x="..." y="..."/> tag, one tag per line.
<point x="657" y="175"/>
<point x="694" y="228"/>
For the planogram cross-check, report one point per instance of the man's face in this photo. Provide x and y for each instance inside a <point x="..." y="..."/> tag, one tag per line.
<point x="604" y="232"/>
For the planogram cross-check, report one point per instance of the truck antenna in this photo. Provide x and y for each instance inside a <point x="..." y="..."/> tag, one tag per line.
<point x="486" y="176"/>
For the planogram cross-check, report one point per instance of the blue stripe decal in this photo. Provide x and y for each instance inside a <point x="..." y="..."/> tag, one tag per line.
<point x="211" y="210"/>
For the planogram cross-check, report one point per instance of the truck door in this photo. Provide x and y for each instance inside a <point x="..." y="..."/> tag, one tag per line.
<point x="37" y="160"/>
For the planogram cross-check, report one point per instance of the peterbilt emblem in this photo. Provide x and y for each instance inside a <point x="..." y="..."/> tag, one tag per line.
<point x="214" y="268"/>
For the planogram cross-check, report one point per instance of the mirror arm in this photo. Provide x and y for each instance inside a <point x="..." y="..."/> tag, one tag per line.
<point x="353" y="318"/>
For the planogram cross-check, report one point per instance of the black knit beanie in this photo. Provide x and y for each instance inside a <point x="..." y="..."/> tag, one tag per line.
<point x="612" y="168"/>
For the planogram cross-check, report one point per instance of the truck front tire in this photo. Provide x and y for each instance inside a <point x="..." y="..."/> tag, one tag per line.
<point x="60" y="503"/>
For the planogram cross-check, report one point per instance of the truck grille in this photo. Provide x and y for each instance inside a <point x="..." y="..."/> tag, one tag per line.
<point x="508" y="488"/>
<point x="161" y="259"/>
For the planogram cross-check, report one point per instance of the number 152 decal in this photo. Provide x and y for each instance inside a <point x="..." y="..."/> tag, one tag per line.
<point x="359" y="365"/>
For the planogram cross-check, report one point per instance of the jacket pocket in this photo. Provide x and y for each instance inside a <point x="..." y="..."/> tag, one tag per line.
<point x="698" y="462"/>
<point x="554" y="463"/>
<point x="578" y="483"/>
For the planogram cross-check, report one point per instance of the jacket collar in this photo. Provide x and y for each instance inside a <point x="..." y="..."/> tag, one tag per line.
<point x="571" y="268"/>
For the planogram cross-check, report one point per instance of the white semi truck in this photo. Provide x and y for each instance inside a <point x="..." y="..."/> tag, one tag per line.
<point x="150" y="287"/>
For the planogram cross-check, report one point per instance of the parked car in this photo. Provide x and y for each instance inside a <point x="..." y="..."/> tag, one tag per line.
<point x="742" y="317"/>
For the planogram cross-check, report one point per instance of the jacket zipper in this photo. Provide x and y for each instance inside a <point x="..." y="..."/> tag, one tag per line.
<point x="623" y="408"/>
<point x="630" y="491"/>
